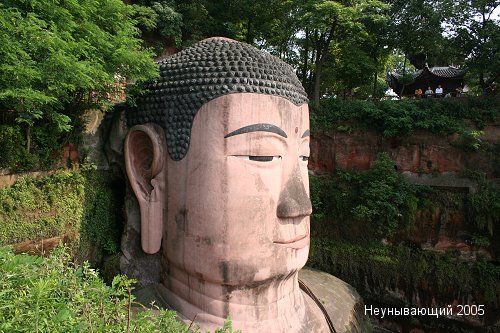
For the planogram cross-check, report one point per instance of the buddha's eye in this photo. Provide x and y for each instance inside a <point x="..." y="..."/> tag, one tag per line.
<point x="304" y="158"/>
<point x="259" y="158"/>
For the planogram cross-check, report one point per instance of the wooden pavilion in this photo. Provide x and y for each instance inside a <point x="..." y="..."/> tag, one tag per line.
<point x="450" y="78"/>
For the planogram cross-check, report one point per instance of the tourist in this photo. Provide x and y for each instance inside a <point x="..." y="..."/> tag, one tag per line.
<point x="429" y="92"/>
<point x="439" y="91"/>
<point x="418" y="93"/>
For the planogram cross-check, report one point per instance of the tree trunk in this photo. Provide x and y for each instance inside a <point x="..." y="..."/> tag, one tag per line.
<point x="404" y="72"/>
<point x="482" y="83"/>
<point x="375" y="76"/>
<point x="306" y="58"/>
<point x="322" y="46"/>
<point x="28" y="138"/>
<point x="317" y="81"/>
<point x="249" y="30"/>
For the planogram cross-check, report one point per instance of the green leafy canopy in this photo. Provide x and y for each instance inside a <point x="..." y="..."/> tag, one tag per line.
<point x="58" y="54"/>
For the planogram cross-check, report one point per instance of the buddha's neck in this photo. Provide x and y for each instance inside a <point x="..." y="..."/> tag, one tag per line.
<point x="276" y="305"/>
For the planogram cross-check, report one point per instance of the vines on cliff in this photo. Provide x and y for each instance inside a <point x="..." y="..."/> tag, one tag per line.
<point x="84" y="205"/>
<point x="373" y="268"/>
<point x="441" y="116"/>
<point x="378" y="198"/>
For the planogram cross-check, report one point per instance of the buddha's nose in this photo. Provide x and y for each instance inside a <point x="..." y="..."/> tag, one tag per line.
<point x="294" y="201"/>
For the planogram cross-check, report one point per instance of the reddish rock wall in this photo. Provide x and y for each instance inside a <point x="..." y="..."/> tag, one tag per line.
<point x="426" y="159"/>
<point x="422" y="152"/>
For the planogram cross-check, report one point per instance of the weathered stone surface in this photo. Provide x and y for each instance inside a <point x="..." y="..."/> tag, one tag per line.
<point x="40" y="247"/>
<point x="113" y="139"/>
<point x="232" y="234"/>
<point x="136" y="264"/>
<point x="342" y="301"/>
<point x="209" y="69"/>
<point x="421" y="152"/>
<point x="445" y="179"/>
<point x="93" y="138"/>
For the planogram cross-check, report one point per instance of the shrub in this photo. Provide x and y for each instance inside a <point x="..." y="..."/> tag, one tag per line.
<point x="102" y="211"/>
<point x="84" y="205"/>
<point x="378" y="199"/>
<point x="53" y="295"/>
<point x="442" y="116"/>
<point x="41" y="208"/>
<point x="45" y="152"/>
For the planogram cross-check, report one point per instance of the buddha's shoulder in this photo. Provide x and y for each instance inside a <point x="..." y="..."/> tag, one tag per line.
<point x="340" y="300"/>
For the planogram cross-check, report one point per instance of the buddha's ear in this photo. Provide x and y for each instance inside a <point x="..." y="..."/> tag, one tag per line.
<point x="145" y="154"/>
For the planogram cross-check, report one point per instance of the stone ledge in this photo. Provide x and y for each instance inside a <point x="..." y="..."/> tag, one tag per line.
<point x="341" y="300"/>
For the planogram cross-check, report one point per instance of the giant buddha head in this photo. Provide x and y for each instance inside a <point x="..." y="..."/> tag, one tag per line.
<point x="217" y="158"/>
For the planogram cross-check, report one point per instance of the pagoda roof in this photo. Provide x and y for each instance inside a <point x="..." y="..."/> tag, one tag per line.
<point x="449" y="77"/>
<point x="448" y="72"/>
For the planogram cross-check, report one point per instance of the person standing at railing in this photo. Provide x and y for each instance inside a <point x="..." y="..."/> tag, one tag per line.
<point x="439" y="91"/>
<point x="429" y="92"/>
<point x="418" y="93"/>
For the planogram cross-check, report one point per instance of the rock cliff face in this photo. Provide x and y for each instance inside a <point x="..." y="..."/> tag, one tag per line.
<point x="421" y="152"/>
<point x="425" y="159"/>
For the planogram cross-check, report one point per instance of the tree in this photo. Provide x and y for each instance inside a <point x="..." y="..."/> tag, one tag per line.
<point x="475" y="37"/>
<point x="59" y="56"/>
<point x="329" y="27"/>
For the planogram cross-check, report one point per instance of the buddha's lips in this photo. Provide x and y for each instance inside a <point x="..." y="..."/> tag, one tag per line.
<point x="298" y="242"/>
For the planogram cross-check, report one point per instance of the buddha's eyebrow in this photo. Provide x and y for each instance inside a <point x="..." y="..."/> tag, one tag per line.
<point x="306" y="133"/>
<point x="258" y="128"/>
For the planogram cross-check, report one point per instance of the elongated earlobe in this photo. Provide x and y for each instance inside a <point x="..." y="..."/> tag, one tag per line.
<point x="145" y="152"/>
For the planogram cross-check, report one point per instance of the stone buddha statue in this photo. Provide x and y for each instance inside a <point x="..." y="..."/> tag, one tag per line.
<point x="217" y="157"/>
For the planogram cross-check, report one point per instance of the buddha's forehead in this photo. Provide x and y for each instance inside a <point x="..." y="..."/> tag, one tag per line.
<point x="207" y="70"/>
<point x="243" y="109"/>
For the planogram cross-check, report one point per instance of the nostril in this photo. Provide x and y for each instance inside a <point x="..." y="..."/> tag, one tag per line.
<point x="291" y="208"/>
<point x="294" y="203"/>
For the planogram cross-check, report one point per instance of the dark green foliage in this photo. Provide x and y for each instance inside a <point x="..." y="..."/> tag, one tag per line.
<point x="59" y="58"/>
<point x="102" y="213"/>
<point x="378" y="203"/>
<point x="484" y="204"/>
<point x="11" y="146"/>
<point x="372" y="268"/>
<point x="46" y="149"/>
<point x="385" y="200"/>
<point x="84" y="203"/>
<point x="443" y="116"/>
<point x="45" y="152"/>
<point x="378" y="199"/>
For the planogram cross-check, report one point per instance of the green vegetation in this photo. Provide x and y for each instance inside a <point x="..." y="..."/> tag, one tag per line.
<point x="379" y="203"/>
<point x="484" y="204"/>
<point x="102" y="218"/>
<point x="83" y="205"/>
<point x="45" y="152"/>
<point x="378" y="199"/>
<point x="362" y="233"/>
<point x="372" y="268"/>
<point x="400" y="118"/>
<point x="54" y="295"/>
<point x="41" y="208"/>
<point x="342" y="48"/>
<point x="59" y="58"/>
